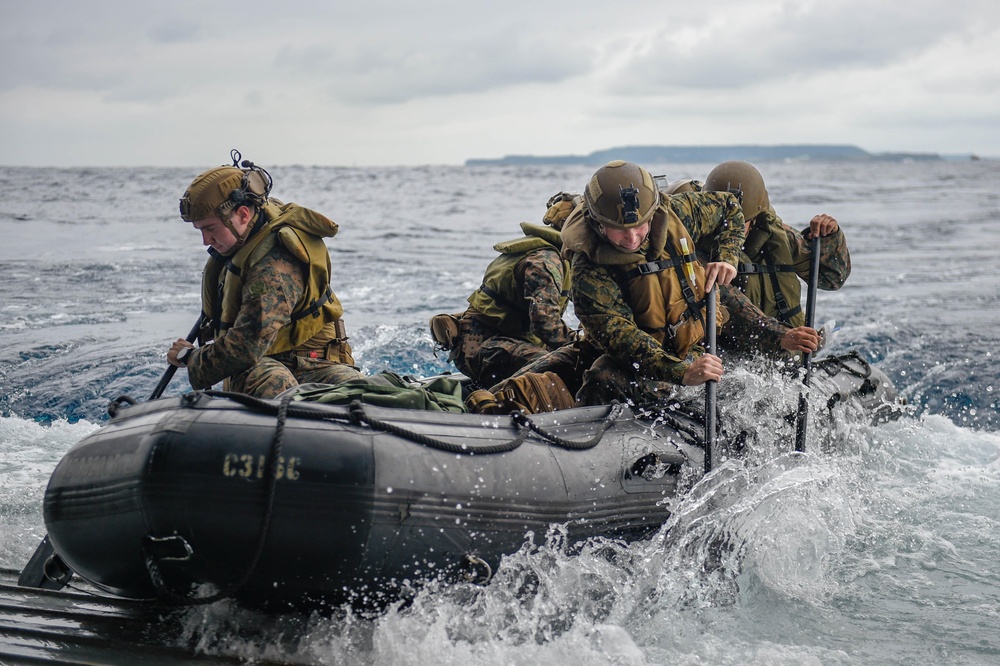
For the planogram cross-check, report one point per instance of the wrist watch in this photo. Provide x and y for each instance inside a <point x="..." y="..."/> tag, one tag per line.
<point x="184" y="354"/>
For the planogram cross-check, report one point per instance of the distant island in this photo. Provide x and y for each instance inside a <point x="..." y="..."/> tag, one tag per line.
<point x="712" y="154"/>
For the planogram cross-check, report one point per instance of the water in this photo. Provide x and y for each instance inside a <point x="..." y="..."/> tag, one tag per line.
<point x="881" y="551"/>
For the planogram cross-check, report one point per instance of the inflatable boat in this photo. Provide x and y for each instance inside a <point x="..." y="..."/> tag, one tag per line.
<point x="213" y="495"/>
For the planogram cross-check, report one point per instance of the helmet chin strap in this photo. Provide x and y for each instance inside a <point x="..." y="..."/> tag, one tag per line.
<point x="240" y="238"/>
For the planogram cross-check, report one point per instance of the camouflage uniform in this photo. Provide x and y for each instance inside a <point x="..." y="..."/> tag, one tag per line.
<point x="239" y="354"/>
<point x="630" y="364"/>
<point x="765" y="317"/>
<point x="834" y="258"/>
<point x="749" y="331"/>
<point x="784" y="253"/>
<point x="539" y="279"/>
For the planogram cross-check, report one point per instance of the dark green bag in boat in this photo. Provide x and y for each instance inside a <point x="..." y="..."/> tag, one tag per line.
<point x="387" y="389"/>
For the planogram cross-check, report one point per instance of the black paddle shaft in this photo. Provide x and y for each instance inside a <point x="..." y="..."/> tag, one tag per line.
<point x="710" y="386"/>
<point x="802" y="419"/>
<point x="171" y="369"/>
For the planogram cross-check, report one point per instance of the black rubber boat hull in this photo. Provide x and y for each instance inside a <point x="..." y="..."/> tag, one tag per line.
<point x="169" y="499"/>
<point x="356" y="512"/>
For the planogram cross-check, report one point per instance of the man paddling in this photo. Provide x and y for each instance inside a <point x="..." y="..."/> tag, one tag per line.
<point x="638" y="288"/>
<point x="774" y="257"/>
<point x="272" y="320"/>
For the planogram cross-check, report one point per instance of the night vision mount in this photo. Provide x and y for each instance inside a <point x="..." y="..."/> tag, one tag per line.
<point x="630" y="203"/>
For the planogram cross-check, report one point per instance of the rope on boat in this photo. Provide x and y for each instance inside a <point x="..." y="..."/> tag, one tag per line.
<point x="616" y="410"/>
<point x="689" y="429"/>
<point x="359" y="417"/>
<point x="832" y="367"/>
<point x="116" y="404"/>
<point x="356" y="414"/>
<point x="274" y="453"/>
<point x="834" y="364"/>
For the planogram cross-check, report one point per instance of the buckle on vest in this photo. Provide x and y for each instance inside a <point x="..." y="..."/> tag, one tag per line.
<point x="647" y="268"/>
<point x="506" y="396"/>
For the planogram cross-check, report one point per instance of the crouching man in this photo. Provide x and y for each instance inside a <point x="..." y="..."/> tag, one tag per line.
<point x="270" y="319"/>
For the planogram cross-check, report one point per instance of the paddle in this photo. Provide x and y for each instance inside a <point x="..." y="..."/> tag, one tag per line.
<point x="802" y="419"/>
<point x="171" y="369"/>
<point x="45" y="569"/>
<point x="710" y="386"/>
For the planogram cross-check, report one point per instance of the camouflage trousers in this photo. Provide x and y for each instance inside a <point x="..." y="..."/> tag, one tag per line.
<point x="597" y="379"/>
<point x="498" y="358"/>
<point x="271" y="376"/>
<point x="569" y="362"/>
<point x="608" y="380"/>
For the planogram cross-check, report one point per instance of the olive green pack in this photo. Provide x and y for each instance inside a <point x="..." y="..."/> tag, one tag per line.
<point x="387" y="389"/>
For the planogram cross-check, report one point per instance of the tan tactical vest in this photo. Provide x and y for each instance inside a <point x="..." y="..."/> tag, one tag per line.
<point x="766" y="273"/>
<point x="653" y="283"/>
<point x="317" y="313"/>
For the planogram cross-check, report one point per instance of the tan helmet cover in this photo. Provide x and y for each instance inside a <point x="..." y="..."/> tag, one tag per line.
<point x="621" y="195"/>
<point x="208" y="192"/>
<point x="743" y="180"/>
<point x="559" y="207"/>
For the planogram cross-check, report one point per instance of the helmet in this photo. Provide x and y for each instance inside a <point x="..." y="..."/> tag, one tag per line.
<point x="743" y="180"/>
<point x="559" y="207"/>
<point x="207" y="193"/>
<point x="621" y="195"/>
<point x="220" y="190"/>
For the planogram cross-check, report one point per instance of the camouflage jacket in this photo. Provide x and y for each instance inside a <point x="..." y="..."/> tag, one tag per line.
<point x="834" y="259"/>
<point x="544" y="296"/>
<point x="271" y="288"/>
<point x="749" y="331"/>
<point x="774" y="259"/>
<point x="525" y="291"/>
<point x="606" y="316"/>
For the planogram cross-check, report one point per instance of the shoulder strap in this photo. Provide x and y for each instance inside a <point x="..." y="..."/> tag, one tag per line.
<point x="315" y="306"/>
<point x="785" y="313"/>
<point x="694" y="306"/>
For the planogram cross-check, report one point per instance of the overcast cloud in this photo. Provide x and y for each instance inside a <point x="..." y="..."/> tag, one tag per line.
<point x="128" y="82"/>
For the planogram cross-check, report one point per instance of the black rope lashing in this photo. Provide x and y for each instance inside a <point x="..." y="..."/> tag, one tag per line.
<point x="833" y="365"/>
<point x="355" y="413"/>
<point x="358" y="412"/>
<point x="270" y="407"/>
<point x="616" y="410"/>
<point x="117" y="403"/>
<point x="274" y="453"/>
<point x="688" y="429"/>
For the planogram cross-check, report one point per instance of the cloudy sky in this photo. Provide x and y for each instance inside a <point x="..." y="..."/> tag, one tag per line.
<point x="368" y="82"/>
